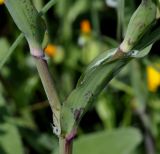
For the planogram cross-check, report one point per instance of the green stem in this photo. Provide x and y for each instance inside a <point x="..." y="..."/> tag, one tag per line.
<point x="148" y="136"/>
<point x="120" y="16"/>
<point x="50" y="91"/>
<point x="11" y="49"/>
<point x="95" y="20"/>
<point x="65" y="147"/>
<point x="47" y="7"/>
<point x="21" y="36"/>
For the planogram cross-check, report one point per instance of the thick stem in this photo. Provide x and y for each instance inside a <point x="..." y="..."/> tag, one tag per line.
<point x="119" y="54"/>
<point x="49" y="89"/>
<point x="65" y="146"/>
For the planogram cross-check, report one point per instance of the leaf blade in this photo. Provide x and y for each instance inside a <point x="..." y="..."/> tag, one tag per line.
<point x="107" y="142"/>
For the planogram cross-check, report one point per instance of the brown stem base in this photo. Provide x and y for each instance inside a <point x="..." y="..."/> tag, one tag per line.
<point x="65" y="146"/>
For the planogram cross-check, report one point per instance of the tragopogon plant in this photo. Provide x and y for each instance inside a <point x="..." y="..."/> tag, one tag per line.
<point x="141" y="34"/>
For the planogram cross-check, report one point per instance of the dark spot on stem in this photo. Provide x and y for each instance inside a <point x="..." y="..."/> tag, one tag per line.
<point x="130" y="42"/>
<point x="77" y="113"/>
<point x="88" y="95"/>
<point x="141" y="26"/>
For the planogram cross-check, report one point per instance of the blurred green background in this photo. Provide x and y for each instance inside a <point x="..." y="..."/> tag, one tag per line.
<point x="125" y="118"/>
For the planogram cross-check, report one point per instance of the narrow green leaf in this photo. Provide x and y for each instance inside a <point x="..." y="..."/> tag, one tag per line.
<point x="120" y="16"/>
<point x="140" y="22"/>
<point x="96" y="76"/>
<point x="93" y="80"/>
<point x="144" y="51"/>
<point x="121" y="86"/>
<point x="4" y="57"/>
<point x="149" y="38"/>
<point x="4" y="49"/>
<point x="106" y="111"/>
<point x="28" y="20"/>
<point x="21" y="36"/>
<point x="140" y="91"/>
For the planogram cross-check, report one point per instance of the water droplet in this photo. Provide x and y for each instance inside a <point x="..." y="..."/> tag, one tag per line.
<point x="56" y="131"/>
<point x="133" y="53"/>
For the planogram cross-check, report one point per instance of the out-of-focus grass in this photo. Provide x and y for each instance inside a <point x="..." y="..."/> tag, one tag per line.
<point x="129" y="101"/>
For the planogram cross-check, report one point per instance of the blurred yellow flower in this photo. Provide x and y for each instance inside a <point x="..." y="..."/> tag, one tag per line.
<point x="1" y="2"/>
<point x="51" y="50"/>
<point x="153" y="79"/>
<point x="85" y="26"/>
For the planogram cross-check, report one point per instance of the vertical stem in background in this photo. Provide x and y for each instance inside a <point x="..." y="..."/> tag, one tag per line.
<point x="148" y="138"/>
<point x="141" y="96"/>
<point x="120" y="16"/>
<point x="95" y="20"/>
<point x="150" y="149"/>
<point x="65" y="146"/>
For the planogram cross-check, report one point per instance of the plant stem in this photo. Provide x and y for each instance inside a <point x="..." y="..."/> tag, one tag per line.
<point x="149" y="144"/>
<point x="50" y="91"/>
<point x="11" y="49"/>
<point x="95" y="20"/>
<point x="47" y="7"/>
<point x="65" y="146"/>
<point x="120" y="16"/>
<point x="148" y="137"/>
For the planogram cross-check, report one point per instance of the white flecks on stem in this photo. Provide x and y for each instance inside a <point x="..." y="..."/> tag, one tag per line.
<point x="56" y="131"/>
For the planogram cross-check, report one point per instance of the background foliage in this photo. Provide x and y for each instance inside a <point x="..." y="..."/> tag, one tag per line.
<point x="124" y="119"/>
